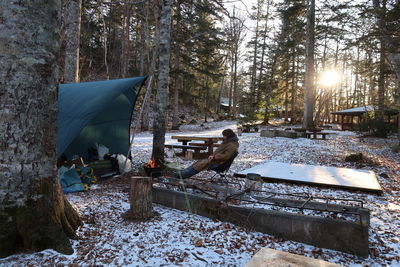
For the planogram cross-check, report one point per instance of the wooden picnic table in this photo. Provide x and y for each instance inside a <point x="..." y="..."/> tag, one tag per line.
<point x="314" y="134"/>
<point x="208" y="141"/>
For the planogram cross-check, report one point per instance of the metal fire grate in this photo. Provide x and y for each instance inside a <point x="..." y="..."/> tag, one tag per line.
<point x="245" y="192"/>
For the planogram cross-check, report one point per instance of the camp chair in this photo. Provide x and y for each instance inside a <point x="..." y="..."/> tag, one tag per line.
<point x="223" y="168"/>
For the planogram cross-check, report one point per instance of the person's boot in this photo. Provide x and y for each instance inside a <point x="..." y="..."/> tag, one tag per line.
<point x="186" y="173"/>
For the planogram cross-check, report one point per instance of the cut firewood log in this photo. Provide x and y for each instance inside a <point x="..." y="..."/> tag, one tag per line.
<point x="140" y="198"/>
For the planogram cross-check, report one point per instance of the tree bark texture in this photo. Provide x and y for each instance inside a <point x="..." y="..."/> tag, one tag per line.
<point x="392" y="49"/>
<point x="293" y="93"/>
<point x="381" y="88"/>
<point x="125" y="51"/>
<point x="235" y="78"/>
<point x="140" y="198"/>
<point x="144" y="35"/>
<point x="175" y="117"/>
<point x="255" y="54"/>
<point x="269" y="86"/>
<point x="152" y="71"/>
<point x="260" y="75"/>
<point x="308" y="121"/>
<point x="72" y="39"/>
<point x="177" y="71"/>
<point x="34" y="215"/>
<point x="159" y="126"/>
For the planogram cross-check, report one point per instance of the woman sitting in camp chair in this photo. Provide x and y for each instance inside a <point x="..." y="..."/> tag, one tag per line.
<point x="225" y="152"/>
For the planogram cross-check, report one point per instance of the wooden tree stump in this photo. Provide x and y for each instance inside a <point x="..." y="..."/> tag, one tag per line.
<point x="141" y="198"/>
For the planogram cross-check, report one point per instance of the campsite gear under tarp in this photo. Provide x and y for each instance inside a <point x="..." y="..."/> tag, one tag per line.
<point x="76" y="178"/>
<point x="103" y="168"/>
<point x="96" y="112"/>
<point x="70" y="180"/>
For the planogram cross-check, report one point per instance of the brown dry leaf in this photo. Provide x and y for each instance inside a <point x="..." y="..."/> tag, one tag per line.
<point x="106" y="261"/>
<point x="198" y="243"/>
<point x="219" y="251"/>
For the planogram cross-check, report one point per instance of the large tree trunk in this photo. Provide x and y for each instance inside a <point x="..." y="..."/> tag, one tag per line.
<point x="231" y="84"/>
<point x="206" y="100"/>
<point x="293" y="93"/>
<point x="72" y="38"/>
<point x="144" y="35"/>
<point x="177" y="78"/>
<point x="269" y="86"/>
<point x="125" y="49"/>
<point x="34" y="215"/>
<point x="381" y="89"/>
<point x="393" y="49"/>
<point x="159" y="126"/>
<point x="260" y="75"/>
<point x="175" y="115"/>
<point x="255" y="54"/>
<point x="308" y="121"/>
<point x="219" y="96"/>
<point x="235" y="78"/>
<point x="152" y="70"/>
<point x="355" y="101"/>
<point x="382" y="69"/>
<point x="236" y="29"/>
<point x="394" y="60"/>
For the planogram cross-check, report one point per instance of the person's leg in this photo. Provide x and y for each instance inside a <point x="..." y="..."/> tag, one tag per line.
<point x="197" y="167"/>
<point x="186" y="173"/>
<point x="213" y="166"/>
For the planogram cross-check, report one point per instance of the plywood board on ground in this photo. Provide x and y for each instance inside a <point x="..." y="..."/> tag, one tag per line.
<point x="274" y="258"/>
<point x="318" y="175"/>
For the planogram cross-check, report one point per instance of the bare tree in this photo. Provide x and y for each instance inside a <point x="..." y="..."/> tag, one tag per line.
<point x="159" y="126"/>
<point x="308" y="120"/>
<point x="34" y="213"/>
<point x="236" y="34"/>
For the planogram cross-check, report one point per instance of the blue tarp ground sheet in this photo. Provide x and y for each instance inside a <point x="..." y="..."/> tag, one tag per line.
<point x="70" y="180"/>
<point x="76" y="178"/>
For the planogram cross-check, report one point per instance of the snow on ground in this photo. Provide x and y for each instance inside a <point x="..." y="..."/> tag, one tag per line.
<point x="175" y="238"/>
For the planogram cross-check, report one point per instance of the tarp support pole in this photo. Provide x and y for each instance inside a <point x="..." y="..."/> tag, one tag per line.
<point x="146" y="96"/>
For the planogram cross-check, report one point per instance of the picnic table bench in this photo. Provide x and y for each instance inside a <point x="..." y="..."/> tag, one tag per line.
<point x="201" y="144"/>
<point x="247" y="128"/>
<point x="314" y="135"/>
<point x="207" y="143"/>
<point x="197" y="149"/>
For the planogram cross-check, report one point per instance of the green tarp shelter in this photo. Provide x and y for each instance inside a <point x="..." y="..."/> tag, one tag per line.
<point x="96" y="112"/>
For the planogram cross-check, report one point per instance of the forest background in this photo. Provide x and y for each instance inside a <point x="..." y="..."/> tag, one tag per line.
<point x="253" y="54"/>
